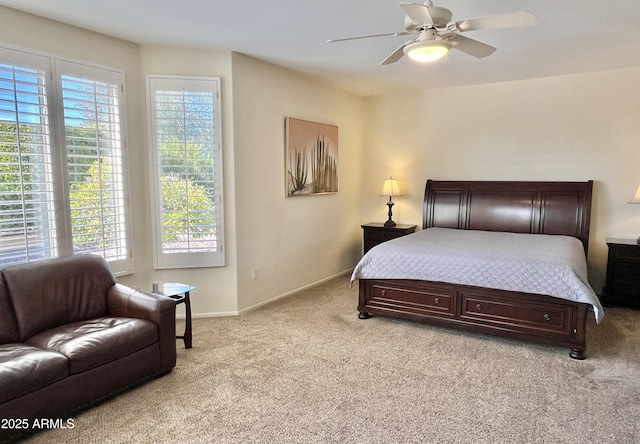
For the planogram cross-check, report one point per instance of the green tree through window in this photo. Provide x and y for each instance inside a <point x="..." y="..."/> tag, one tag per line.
<point x="62" y="183"/>
<point x="187" y="171"/>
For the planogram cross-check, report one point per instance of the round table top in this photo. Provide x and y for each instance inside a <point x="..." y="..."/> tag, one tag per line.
<point x="171" y="288"/>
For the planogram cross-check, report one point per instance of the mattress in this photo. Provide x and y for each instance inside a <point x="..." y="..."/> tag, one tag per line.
<point x="529" y="263"/>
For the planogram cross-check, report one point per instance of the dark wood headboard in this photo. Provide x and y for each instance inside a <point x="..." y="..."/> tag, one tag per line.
<point x="562" y="208"/>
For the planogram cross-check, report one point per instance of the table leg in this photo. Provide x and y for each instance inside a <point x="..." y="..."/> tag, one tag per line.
<point x="187" y="330"/>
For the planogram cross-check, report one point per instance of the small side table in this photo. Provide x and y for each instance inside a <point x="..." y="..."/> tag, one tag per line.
<point x="179" y="293"/>
<point x="375" y="233"/>
<point x="623" y="273"/>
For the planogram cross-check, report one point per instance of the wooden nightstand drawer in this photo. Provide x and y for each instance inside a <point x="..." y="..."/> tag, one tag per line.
<point x="623" y="273"/>
<point x="626" y="278"/>
<point x="627" y="253"/>
<point x="382" y="236"/>
<point x="376" y="233"/>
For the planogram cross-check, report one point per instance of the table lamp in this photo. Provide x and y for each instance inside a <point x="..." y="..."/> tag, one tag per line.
<point x="636" y="200"/>
<point x="390" y="189"/>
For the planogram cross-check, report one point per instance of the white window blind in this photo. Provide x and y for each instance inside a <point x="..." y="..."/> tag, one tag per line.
<point x="27" y="203"/>
<point x="187" y="171"/>
<point x="91" y="112"/>
<point x="62" y="178"/>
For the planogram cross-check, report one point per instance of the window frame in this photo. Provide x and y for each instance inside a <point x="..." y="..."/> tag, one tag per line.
<point x="162" y="260"/>
<point x="56" y="67"/>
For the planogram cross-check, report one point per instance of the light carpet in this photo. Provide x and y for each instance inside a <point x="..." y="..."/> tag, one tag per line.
<point x="305" y="369"/>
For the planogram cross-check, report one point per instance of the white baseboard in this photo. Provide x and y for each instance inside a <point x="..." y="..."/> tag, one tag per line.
<point x="262" y="304"/>
<point x="219" y="314"/>
<point x="292" y="292"/>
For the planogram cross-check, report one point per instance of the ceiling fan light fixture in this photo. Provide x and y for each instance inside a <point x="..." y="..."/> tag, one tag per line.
<point x="427" y="51"/>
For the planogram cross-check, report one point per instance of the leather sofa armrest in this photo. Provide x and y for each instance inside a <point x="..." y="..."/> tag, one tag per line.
<point x="127" y="302"/>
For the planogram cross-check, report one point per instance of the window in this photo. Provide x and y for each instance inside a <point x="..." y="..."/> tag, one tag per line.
<point x="186" y="165"/>
<point x="62" y="180"/>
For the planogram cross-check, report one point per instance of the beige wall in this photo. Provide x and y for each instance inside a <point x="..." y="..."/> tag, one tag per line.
<point x="265" y="231"/>
<point x="55" y="39"/>
<point x="216" y="287"/>
<point x="565" y="128"/>
<point x="292" y="243"/>
<point x="576" y="127"/>
<point x="296" y="241"/>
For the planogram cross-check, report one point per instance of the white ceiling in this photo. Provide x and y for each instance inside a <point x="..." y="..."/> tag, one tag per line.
<point x="571" y="36"/>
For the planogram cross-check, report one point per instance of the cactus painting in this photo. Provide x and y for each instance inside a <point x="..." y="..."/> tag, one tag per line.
<point x="311" y="157"/>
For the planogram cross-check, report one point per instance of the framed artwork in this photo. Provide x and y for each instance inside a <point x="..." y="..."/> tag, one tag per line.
<point x="311" y="156"/>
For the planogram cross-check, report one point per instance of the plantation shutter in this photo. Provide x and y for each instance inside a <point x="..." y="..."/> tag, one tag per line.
<point x="62" y="177"/>
<point x="27" y="204"/>
<point x="91" y="107"/>
<point x="186" y="169"/>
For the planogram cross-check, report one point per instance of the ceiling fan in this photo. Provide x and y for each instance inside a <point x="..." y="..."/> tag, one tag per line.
<point x="437" y="33"/>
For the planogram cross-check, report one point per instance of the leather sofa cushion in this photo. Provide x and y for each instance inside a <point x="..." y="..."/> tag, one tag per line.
<point x="24" y="369"/>
<point x="46" y="294"/>
<point x="8" y="325"/>
<point x="95" y="342"/>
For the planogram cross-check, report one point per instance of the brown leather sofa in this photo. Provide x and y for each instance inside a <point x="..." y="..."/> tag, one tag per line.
<point x="71" y="336"/>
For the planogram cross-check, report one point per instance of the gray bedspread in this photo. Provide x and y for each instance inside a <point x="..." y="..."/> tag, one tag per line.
<point x="529" y="263"/>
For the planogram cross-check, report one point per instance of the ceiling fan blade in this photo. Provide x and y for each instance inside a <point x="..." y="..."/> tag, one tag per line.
<point x="395" y="55"/>
<point x="508" y="20"/>
<point x="417" y="13"/>
<point x="470" y="46"/>
<point x="394" y="34"/>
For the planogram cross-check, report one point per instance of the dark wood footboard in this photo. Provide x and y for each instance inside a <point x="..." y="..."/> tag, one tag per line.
<point x="529" y="317"/>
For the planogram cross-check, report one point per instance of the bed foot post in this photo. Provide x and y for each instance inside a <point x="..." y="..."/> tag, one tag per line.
<point x="577" y="353"/>
<point x="363" y="315"/>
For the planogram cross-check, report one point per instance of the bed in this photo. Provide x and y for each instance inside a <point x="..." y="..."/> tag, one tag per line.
<point x="473" y="215"/>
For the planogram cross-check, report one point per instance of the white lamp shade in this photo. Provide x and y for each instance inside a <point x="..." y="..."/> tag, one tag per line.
<point x="636" y="199"/>
<point x="391" y="187"/>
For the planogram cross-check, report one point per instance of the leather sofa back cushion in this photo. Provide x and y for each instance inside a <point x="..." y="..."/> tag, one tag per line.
<point x="8" y="326"/>
<point x="46" y="294"/>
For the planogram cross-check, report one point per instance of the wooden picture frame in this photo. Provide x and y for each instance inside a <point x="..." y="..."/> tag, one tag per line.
<point x="311" y="158"/>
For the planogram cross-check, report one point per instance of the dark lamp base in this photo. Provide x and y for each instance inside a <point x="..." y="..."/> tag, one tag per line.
<point x="390" y="223"/>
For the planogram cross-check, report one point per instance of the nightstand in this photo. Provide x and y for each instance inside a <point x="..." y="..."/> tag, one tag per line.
<point x="623" y="273"/>
<point x="376" y="233"/>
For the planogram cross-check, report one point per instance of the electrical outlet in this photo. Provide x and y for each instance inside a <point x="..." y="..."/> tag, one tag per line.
<point x="255" y="274"/>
